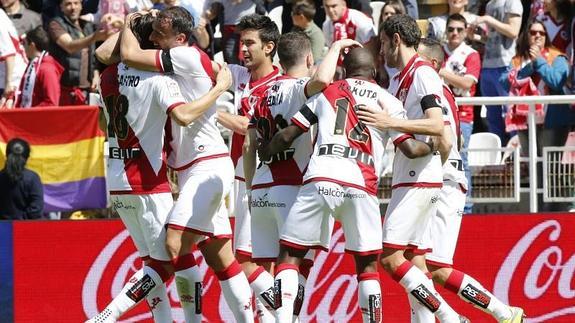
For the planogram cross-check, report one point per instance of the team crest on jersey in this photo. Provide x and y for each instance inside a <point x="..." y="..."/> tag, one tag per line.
<point x="350" y="30"/>
<point x="564" y="35"/>
<point x="174" y="89"/>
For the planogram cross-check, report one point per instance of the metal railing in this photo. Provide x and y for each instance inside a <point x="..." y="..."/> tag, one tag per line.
<point x="531" y="101"/>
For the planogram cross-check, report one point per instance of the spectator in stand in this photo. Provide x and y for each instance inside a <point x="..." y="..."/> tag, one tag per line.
<point x="436" y="28"/>
<point x="557" y="18"/>
<point x="40" y="85"/>
<point x="233" y="11"/>
<point x="22" y="18"/>
<point x="384" y="72"/>
<point x="302" y="16"/>
<point x="503" y="19"/>
<point x="461" y="73"/>
<point x="411" y="8"/>
<point x="548" y="68"/>
<point x="21" y="191"/>
<point x="344" y="23"/>
<point x="12" y="61"/>
<point x="73" y="46"/>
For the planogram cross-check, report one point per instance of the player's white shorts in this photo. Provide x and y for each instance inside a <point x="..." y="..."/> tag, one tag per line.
<point x="446" y="223"/>
<point x="310" y="221"/>
<point x="242" y="224"/>
<point x="408" y="218"/>
<point x="200" y="208"/>
<point x="145" y="216"/>
<point x="270" y="208"/>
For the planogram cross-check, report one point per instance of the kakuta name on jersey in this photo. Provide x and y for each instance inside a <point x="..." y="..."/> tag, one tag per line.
<point x="129" y="80"/>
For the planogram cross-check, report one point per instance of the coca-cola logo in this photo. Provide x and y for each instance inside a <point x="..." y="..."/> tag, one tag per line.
<point x="543" y="272"/>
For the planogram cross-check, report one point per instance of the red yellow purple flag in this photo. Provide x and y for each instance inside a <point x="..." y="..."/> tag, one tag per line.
<point x="67" y="151"/>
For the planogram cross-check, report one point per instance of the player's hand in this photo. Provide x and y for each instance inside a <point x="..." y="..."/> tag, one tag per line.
<point x="263" y="153"/>
<point x="224" y="78"/>
<point x="375" y="117"/>
<point x="347" y="43"/>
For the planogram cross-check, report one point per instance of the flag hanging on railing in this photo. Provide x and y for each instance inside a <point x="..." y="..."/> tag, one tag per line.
<point x="67" y="151"/>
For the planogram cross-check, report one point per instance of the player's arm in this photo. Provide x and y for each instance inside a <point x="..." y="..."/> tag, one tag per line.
<point x="71" y="46"/>
<point x="131" y="53"/>
<point x="249" y="155"/>
<point x="445" y="143"/>
<point x="464" y="82"/>
<point x="187" y="113"/>
<point x="234" y="122"/>
<point x="281" y="141"/>
<point x="108" y="52"/>
<point x="413" y="148"/>
<point x="431" y="125"/>
<point x="323" y="75"/>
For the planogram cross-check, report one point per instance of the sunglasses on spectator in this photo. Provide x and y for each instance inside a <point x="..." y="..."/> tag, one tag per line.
<point x="537" y="32"/>
<point x="452" y="29"/>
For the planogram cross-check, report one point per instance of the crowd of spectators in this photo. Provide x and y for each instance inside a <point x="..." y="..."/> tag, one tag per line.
<point x="493" y="47"/>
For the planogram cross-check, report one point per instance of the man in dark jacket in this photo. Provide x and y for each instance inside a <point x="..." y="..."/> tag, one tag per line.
<point x="73" y="46"/>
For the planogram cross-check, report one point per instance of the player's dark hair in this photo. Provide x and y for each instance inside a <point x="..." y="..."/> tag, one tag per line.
<point x="17" y="153"/>
<point x="431" y="48"/>
<point x="293" y="48"/>
<point x="39" y="37"/>
<point x="406" y="27"/>
<point x="304" y="8"/>
<point x="141" y="26"/>
<point x="456" y="17"/>
<point x="359" y="62"/>
<point x="267" y="29"/>
<point x="180" y="18"/>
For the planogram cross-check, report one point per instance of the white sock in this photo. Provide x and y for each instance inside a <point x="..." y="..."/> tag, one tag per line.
<point x="286" y="287"/>
<point x="369" y="296"/>
<point x="471" y="291"/>
<point x="418" y="285"/>
<point x="300" y="297"/>
<point x="262" y="283"/>
<point x="189" y="286"/>
<point x="159" y="304"/>
<point x="135" y="290"/>
<point x="237" y="292"/>
<point x="419" y="313"/>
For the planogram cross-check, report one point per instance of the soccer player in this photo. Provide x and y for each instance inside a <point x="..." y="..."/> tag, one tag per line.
<point x="447" y="222"/>
<point x="342" y="143"/>
<point x="275" y="182"/>
<point x="258" y="40"/>
<point x="205" y="170"/>
<point x="416" y="182"/>
<point x="138" y="105"/>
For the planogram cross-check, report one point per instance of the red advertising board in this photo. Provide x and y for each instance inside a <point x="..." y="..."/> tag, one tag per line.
<point x="65" y="271"/>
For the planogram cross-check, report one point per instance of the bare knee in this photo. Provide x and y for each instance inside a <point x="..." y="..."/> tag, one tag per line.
<point x="391" y="259"/>
<point x="218" y="253"/>
<point x="366" y="264"/>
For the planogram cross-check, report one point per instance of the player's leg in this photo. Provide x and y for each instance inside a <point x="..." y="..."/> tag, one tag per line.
<point x="446" y="225"/>
<point x="361" y="222"/>
<point x="153" y="225"/>
<point x="299" y="234"/>
<point x="405" y="227"/>
<point x="219" y="256"/>
<point x="419" y="312"/>
<point x="260" y="280"/>
<point x="131" y="208"/>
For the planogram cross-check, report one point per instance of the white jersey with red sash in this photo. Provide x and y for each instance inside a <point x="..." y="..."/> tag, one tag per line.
<point x="247" y="94"/>
<point x="453" y="168"/>
<point x="416" y="82"/>
<point x="137" y="107"/>
<point x="280" y="102"/>
<point x="346" y="151"/>
<point x="201" y="140"/>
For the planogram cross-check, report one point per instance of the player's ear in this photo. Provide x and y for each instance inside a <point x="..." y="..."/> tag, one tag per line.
<point x="309" y="60"/>
<point x="396" y="40"/>
<point x="269" y="47"/>
<point x="181" y="38"/>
